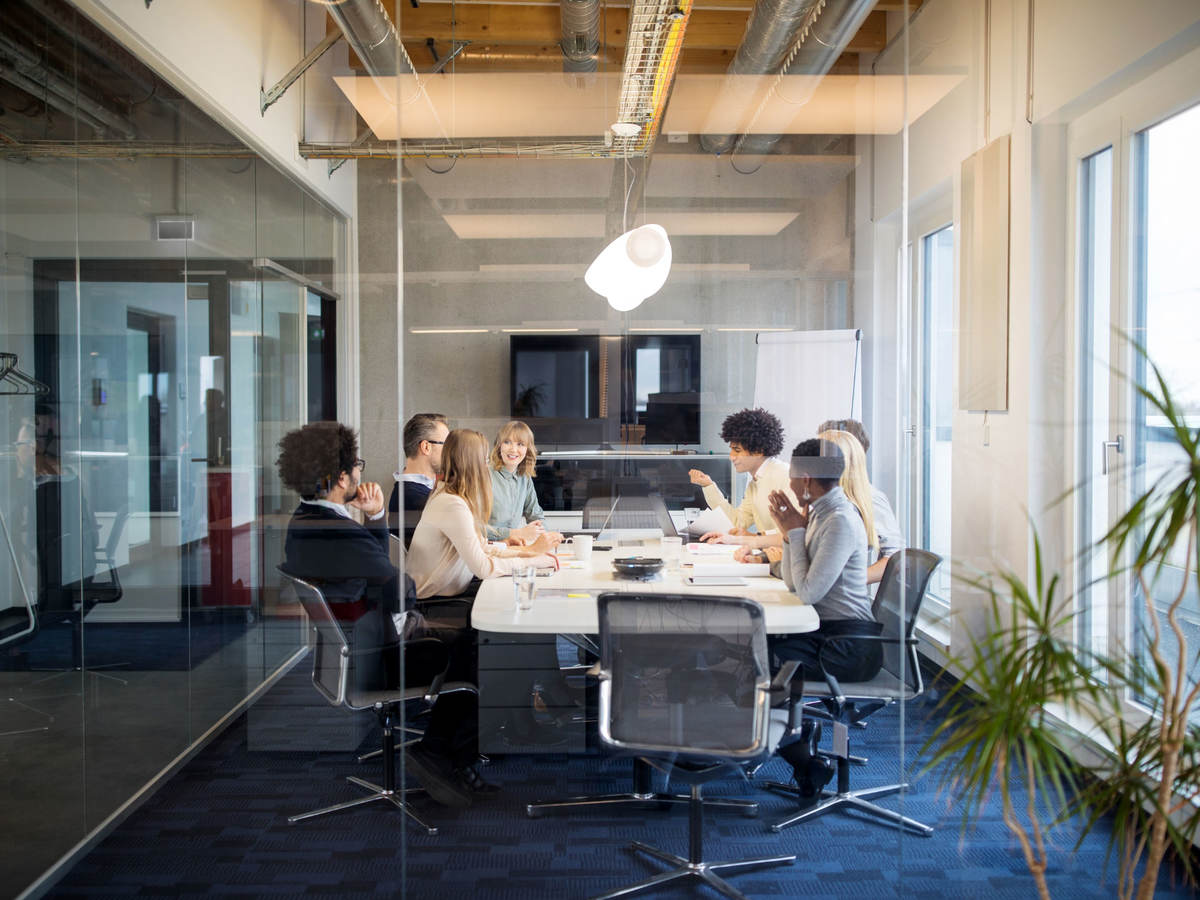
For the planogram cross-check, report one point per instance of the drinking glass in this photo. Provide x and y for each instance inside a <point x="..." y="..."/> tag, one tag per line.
<point x="524" y="585"/>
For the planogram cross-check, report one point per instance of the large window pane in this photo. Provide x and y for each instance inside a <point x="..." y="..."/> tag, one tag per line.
<point x="1167" y="288"/>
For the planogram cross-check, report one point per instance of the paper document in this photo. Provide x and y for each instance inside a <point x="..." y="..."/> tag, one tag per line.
<point x="710" y="520"/>
<point x="745" y="570"/>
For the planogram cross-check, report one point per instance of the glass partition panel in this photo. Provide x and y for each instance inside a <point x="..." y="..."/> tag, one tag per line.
<point x="153" y="302"/>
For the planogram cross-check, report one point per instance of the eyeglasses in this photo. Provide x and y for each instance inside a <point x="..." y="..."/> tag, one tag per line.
<point x="428" y="441"/>
<point x="360" y="464"/>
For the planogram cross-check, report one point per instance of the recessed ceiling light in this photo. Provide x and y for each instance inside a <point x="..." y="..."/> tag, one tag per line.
<point x="448" y="330"/>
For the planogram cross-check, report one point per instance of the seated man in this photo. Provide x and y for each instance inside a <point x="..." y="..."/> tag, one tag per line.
<point x="825" y="565"/>
<point x="754" y="437"/>
<point x="891" y="538"/>
<point x="350" y="563"/>
<point x="424" y="435"/>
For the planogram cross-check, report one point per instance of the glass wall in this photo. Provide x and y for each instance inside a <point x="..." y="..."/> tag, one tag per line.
<point x="161" y="317"/>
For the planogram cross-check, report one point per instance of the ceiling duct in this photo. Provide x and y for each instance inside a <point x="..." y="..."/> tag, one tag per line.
<point x="23" y="69"/>
<point x="580" y="35"/>
<point x="372" y="36"/>
<point x="787" y="37"/>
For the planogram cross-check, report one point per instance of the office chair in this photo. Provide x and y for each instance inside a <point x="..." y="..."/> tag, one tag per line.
<point x="101" y="582"/>
<point x="333" y="677"/>
<point x="897" y="603"/>
<point x="685" y="684"/>
<point x="19" y="625"/>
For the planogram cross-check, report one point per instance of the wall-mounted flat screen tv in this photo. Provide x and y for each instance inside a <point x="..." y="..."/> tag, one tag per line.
<point x="584" y="387"/>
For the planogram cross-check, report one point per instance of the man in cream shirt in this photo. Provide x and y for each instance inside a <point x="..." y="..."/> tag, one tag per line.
<point x="754" y="436"/>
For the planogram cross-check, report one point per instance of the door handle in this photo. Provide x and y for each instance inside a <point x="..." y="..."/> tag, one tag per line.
<point x="1118" y="445"/>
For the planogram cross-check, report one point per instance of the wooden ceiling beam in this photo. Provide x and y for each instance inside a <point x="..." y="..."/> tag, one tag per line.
<point x="539" y="26"/>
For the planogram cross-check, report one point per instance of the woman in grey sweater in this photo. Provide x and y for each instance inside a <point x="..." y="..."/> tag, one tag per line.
<point x="824" y="564"/>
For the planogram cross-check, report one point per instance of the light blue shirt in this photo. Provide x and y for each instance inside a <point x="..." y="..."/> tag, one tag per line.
<point x="514" y="502"/>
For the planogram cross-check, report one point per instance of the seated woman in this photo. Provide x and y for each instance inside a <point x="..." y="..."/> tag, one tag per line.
<point x="857" y="487"/>
<point x="448" y="547"/>
<point x="825" y="565"/>
<point x="516" y="514"/>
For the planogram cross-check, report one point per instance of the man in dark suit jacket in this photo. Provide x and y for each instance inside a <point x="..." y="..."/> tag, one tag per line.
<point x="350" y="562"/>
<point x="424" y="435"/>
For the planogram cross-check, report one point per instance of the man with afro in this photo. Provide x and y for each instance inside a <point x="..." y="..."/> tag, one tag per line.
<point x="755" y="437"/>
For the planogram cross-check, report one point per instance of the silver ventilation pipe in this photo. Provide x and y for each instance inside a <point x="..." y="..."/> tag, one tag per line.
<point x="794" y="37"/>
<point x="372" y="36"/>
<point x="580" y="35"/>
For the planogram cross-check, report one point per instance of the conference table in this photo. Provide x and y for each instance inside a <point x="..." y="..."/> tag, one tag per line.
<point x="521" y="653"/>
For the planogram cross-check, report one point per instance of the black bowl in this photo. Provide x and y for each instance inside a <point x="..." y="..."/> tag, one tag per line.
<point x="638" y="566"/>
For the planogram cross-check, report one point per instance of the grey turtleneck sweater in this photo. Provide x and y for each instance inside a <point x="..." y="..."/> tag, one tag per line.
<point x="825" y="564"/>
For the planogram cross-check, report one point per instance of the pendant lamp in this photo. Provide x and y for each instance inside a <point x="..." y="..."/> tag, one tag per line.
<point x="631" y="268"/>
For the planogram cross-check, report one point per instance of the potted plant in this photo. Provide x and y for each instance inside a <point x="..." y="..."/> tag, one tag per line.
<point x="997" y="726"/>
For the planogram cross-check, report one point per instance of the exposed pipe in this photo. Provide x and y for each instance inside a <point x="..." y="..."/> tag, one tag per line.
<point x="28" y="66"/>
<point x="370" y="33"/>
<point x="794" y="37"/>
<point x="580" y="35"/>
<point x="38" y="91"/>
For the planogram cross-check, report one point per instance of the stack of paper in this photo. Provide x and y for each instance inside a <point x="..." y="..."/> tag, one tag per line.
<point x="746" y="570"/>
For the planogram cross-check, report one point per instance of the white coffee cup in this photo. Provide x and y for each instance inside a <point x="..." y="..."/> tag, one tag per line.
<point x="581" y="546"/>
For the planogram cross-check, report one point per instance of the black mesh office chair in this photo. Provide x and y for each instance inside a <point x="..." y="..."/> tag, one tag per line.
<point x="897" y="603"/>
<point x="685" y="684"/>
<point x="333" y="676"/>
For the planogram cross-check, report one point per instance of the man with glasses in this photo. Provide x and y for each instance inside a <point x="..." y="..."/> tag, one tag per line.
<point x="327" y="546"/>
<point x="350" y="563"/>
<point x="424" y="435"/>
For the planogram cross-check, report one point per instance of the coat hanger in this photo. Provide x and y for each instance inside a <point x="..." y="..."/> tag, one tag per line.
<point x="14" y="382"/>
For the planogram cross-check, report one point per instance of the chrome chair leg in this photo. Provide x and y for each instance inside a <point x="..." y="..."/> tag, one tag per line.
<point x="857" y="800"/>
<point x="693" y="865"/>
<point x="641" y="795"/>
<point x="377" y="793"/>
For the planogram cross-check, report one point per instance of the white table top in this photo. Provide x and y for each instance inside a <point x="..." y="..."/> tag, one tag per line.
<point x="566" y="601"/>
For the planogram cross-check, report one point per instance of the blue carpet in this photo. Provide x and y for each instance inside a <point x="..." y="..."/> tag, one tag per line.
<point x="219" y="828"/>
<point x="137" y="646"/>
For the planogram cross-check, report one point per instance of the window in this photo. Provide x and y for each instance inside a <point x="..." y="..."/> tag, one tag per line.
<point x="1166" y="313"/>
<point x="935" y="401"/>
<point x="1094" y="275"/>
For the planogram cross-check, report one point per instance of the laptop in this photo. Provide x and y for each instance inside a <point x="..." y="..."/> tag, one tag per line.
<point x="639" y="513"/>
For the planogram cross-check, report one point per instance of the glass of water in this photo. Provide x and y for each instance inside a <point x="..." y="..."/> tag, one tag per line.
<point x="524" y="585"/>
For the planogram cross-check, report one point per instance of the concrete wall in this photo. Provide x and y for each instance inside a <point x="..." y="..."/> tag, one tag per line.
<point x="798" y="278"/>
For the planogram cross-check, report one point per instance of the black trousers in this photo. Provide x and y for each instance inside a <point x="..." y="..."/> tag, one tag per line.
<point x="452" y="731"/>
<point x="843" y="657"/>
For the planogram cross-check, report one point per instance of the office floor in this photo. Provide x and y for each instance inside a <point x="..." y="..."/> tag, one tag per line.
<point x="220" y="828"/>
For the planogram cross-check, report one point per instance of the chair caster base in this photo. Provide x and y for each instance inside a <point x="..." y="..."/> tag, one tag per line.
<point x="377" y="793"/>
<point x="850" y="800"/>
<point x="748" y="808"/>
<point x="705" y="871"/>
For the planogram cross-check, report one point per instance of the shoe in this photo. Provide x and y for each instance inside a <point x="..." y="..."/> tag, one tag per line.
<point x="815" y="776"/>
<point x="438" y="779"/>
<point x="474" y="782"/>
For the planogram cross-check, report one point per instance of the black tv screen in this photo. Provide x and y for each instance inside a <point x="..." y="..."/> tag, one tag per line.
<point x="572" y="383"/>
<point x="555" y="377"/>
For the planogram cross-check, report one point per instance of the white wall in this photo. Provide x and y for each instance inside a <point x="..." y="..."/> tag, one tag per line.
<point x="1011" y="465"/>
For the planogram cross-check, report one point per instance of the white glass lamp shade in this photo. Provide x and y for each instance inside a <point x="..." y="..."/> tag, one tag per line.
<point x="631" y="268"/>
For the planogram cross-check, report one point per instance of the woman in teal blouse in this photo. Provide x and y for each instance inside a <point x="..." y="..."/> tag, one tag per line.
<point x="516" y="513"/>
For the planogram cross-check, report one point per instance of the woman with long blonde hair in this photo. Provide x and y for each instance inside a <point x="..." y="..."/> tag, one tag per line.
<point x="857" y="486"/>
<point x="448" y="547"/>
<point x="516" y="515"/>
